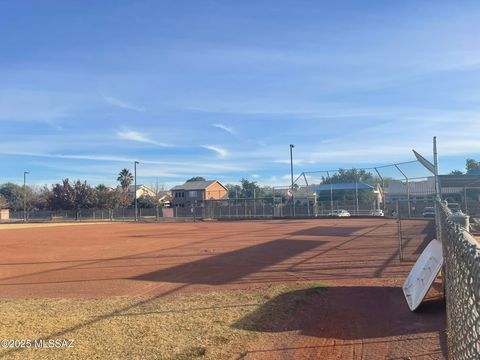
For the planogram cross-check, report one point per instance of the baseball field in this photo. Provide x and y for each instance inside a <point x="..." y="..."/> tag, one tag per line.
<point x="273" y="289"/>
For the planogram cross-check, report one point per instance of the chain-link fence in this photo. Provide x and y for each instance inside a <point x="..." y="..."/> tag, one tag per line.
<point x="117" y="214"/>
<point x="462" y="286"/>
<point x="403" y="189"/>
<point x="406" y="184"/>
<point x="270" y="207"/>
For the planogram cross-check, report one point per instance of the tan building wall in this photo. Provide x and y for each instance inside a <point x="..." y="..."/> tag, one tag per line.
<point x="215" y="191"/>
<point x="4" y="214"/>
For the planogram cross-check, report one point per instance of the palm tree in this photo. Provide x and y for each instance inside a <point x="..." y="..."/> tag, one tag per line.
<point x="125" y="178"/>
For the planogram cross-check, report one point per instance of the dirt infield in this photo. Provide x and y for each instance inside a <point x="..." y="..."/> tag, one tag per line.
<point x="362" y="314"/>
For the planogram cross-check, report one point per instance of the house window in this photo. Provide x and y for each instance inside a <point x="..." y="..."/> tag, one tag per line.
<point x="192" y="194"/>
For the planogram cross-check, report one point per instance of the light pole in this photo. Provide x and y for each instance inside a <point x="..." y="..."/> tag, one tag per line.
<point x="291" y="173"/>
<point x="135" y="187"/>
<point x="25" y="195"/>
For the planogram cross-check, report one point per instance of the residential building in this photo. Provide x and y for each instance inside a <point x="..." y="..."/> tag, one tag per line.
<point x="164" y="197"/>
<point x="192" y="191"/>
<point x="142" y="190"/>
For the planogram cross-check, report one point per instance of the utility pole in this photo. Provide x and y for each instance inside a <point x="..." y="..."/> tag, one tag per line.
<point x="25" y="195"/>
<point x="135" y="188"/>
<point x="291" y="173"/>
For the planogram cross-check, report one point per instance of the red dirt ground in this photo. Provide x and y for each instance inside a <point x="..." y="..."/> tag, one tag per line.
<point x="362" y="315"/>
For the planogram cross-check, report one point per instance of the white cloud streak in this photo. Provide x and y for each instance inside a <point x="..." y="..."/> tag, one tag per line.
<point x="222" y="153"/>
<point x="225" y="128"/>
<point x="122" y="104"/>
<point x="137" y="136"/>
<point x="185" y="167"/>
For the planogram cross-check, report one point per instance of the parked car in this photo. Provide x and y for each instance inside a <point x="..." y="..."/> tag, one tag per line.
<point x="455" y="207"/>
<point x="428" y="212"/>
<point x="339" y="213"/>
<point x="377" y="212"/>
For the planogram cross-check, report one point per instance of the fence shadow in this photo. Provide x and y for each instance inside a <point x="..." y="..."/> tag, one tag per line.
<point x="429" y="233"/>
<point x="228" y="267"/>
<point x="347" y="313"/>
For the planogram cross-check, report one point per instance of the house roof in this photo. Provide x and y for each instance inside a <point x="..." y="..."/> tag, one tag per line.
<point x="162" y="193"/>
<point x="194" y="185"/>
<point x="424" y="187"/>
<point x="449" y="184"/>
<point x="470" y="180"/>
<point x="131" y="188"/>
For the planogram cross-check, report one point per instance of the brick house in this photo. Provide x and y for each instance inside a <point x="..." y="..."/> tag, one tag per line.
<point x="185" y="195"/>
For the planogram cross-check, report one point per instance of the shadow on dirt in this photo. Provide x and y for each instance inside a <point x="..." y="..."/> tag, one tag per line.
<point x="339" y="230"/>
<point x="347" y="313"/>
<point x="227" y="267"/>
<point x="428" y="232"/>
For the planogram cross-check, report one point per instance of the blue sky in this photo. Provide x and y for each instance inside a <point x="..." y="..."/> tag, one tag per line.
<point x="220" y="88"/>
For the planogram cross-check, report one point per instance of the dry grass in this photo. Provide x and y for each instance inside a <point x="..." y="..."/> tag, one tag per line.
<point x="199" y="326"/>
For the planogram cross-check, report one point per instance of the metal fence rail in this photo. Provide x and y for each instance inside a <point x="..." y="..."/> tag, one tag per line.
<point x="462" y="287"/>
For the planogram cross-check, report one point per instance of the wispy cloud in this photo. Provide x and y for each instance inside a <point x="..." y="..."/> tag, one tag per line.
<point x="137" y="136"/>
<point x="181" y="167"/>
<point x="222" y="153"/>
<point x="36" y="106"/>
<point x="226" y="128"/>
<point x="122" y="103"/>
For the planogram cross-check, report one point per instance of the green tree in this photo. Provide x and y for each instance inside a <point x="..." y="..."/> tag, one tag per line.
<point x="196" y="178"/>
<point x="62" y="196"/>
<point x="105" y="197"/>
<point x="14" y="194"/>
<point x="472" y="166"/>
<point x="250" y="189"/>
<point x="3" y="202"/>
<point x="125" y="178"/>
<point x="456" y="172"/>
<point x="147" y="202"/>
<point x="350" y="176"/>
<point x="39" y="199"/>
<point x="84" y="195"/>
<point x="234" y="191"/>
